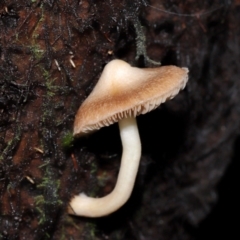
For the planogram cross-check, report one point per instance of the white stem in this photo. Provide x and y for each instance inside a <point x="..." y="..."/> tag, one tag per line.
<point x="83" y="205"/>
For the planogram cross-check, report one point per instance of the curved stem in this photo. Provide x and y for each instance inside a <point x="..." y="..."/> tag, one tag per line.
<point x="83" y="205"/>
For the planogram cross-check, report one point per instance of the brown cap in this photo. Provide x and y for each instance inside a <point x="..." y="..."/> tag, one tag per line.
<point x="123" y="91"/>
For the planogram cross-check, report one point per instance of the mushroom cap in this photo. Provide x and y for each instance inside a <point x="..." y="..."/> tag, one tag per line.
<point x="125" y="91"/>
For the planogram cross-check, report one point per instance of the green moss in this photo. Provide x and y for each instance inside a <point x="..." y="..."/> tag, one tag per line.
<point x="93" y="168"/>
<point x="10" y="186"/>
<point x="42" y="216"/>
<point x="49" y="83"/>
<point x="35" y="48"/>
<point x="67" y="140"/>
<point x="49" y="195"/>
<point x="47" y="235"/>
<point x="91" y="227"/>
<point x="102" y="179"/>
<point x="36" y="51"/>
<point x="39" y="200"/>
<point x="11" y="143"/>
<point x="50" y="86"/>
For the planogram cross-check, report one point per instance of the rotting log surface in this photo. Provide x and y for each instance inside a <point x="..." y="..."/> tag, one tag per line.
<point x="187" y="143"/>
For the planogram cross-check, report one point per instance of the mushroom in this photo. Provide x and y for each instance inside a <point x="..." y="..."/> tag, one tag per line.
<point x="122" y="93"/>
